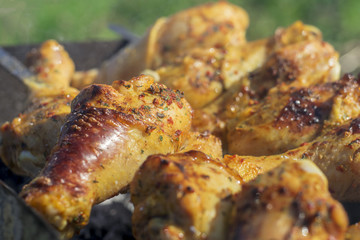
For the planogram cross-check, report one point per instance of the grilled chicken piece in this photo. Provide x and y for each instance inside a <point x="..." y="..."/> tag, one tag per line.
<point x="290" y="202"/>
<point x="204" y="74"/>
<point x="28" y="139"/>
<point x="182" y="196"/>
<point x="53" y="69"/>
<point x="186" y="51"/>
<point x="202" y="66"/>
<point x="285" y="120"/>
<point x="191" y="196"/>
<point x="295" y="57"/>
<point x="335" y="152"/>
<point x="208" y="25"/>
<point x="108" y="134"/>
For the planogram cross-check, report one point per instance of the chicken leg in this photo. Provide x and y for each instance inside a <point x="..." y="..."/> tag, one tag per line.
<point x="191" y="196"/>
<point x="109" y="133"/>
<point x="28" y="139"/>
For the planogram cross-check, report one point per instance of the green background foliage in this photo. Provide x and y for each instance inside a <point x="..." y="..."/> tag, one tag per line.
<point x="33" y="21"/>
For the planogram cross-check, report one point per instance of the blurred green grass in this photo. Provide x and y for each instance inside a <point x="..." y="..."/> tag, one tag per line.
<point x="33" y="21"/>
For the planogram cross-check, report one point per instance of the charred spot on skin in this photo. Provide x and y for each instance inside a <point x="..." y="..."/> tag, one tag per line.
<point x="141" y="96"/>
<point x="166" y="48"/>
<point x="153" y="90"/>
<point x="355" y="126"/>
<point x="156" y="101"/>
<point x="356" y="141"/>
<point x="180" y="166"/>
<point x="164" y="162"/>
<point x="301" y="111"/>
<point x="189" y="189"/>
<point x="140" y="183"/>
<point x="207" y="177"/>
<point x="283" y="190"/>
<point x="282" y="68"/>
<point x="95" y="90"/>
<point x="340" y="168"/>
<point x="149" y="129"/>
<point x="352" y="128"/>
<point x="256" y="193"/>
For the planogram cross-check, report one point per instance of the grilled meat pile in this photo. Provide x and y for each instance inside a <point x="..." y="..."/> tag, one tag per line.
<point x="214" y="137"/>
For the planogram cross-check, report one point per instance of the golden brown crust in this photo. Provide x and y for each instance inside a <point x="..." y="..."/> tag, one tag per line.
<point x="116" y="127"/>
<point x="190" y="196"/>
<point x="290" y="202"/>
<point x="182" y="196"/>
<point x="285" y="120"/>
<point x="108" y="134"/>
<point x="334" y="151"/>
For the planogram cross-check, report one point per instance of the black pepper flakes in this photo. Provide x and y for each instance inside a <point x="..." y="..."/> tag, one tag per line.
<point x="160" y="115"/>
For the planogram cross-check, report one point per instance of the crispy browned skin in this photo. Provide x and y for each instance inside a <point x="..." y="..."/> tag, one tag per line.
<point x="28" y="139"/>
<point x="290" y="202"/>
<point x="109" y="133"/>
<point x="295" y="57"/>
<point x="335" y="152"/>
<point x="285" y="120"/>
<point x="182" y="196"/>
<point x="191" y="196"/>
